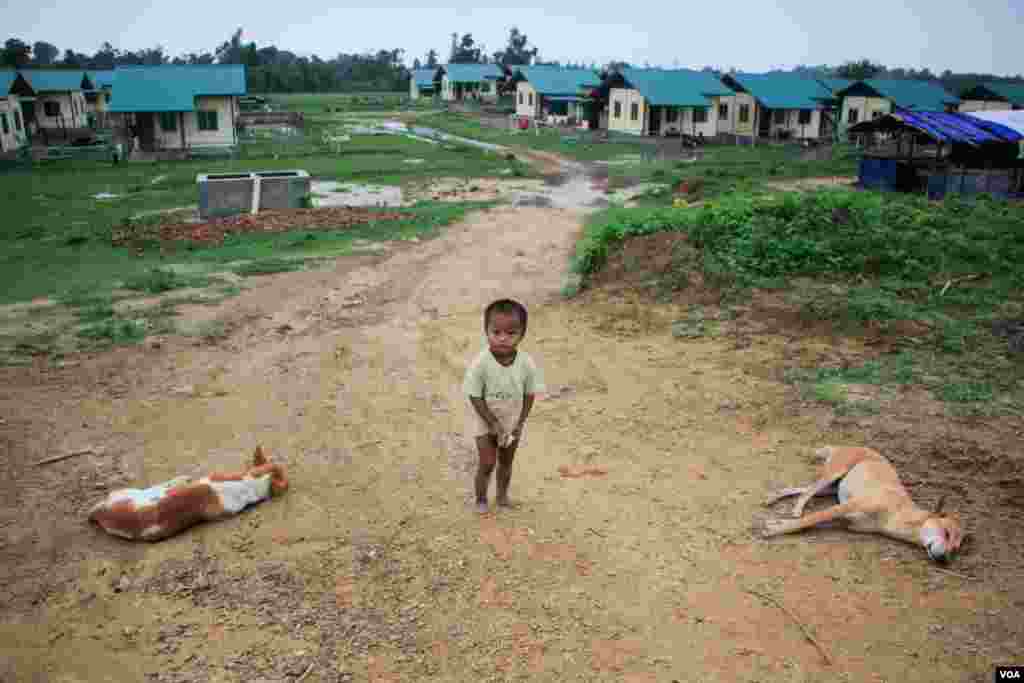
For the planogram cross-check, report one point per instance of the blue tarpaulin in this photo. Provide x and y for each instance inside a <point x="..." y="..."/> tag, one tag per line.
<point x="945" y="127"/>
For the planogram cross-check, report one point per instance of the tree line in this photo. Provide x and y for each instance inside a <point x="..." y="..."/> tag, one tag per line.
<point x="271" y="69"/>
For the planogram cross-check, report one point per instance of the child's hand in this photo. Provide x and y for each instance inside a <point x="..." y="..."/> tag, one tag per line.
<point x="514" y="435"/>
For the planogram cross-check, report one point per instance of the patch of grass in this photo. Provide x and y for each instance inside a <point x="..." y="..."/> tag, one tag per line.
<point x="269" y="266"/>
<point x="965" y="392"/>
<point x="114" y="331"/>
<point x="160" y="280"/>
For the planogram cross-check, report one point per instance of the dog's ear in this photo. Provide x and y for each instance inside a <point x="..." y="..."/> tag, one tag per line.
<point x="258" y="458"/>
<point x="941" y="504"/>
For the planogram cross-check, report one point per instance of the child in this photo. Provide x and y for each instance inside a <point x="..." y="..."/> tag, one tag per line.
<point x="501" y="383"/>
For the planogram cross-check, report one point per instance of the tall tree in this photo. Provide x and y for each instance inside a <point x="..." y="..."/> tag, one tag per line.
<point x="515" y="53"/>
<point x="466" y="51"/>
<point x="432" y="58"/>
<point x="416" y="63"/>
<point x="860" y="70"/>
<point x="43" y="53"/>
<point x="17" y="53"/>
<point x="230" y="51"/>
<point x="106" y="56"/>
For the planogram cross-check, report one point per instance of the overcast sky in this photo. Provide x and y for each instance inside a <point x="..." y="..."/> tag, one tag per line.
<point x="979" y="36"/>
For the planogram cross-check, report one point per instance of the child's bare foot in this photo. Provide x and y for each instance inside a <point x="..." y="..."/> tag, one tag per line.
<point x="506" y="503"/>
<point x="481" y="507"/>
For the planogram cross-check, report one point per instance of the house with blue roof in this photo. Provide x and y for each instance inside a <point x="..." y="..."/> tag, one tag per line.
<point x="875" y="97"/>
<point x="555" y="93"/>
<point x="662" y="101"/>
<point x="179" y="108"/>
<point x="97" y="101"/>
<point x="423" y="83"/>
<point x="13" y="129"/>
<point x="993" y="96"/>
<point x="470" y="81"/>
<point x="779" y="106"/>
<point x="60" y="98"/>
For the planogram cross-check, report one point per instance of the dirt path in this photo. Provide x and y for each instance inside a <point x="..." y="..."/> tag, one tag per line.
<point x="374" y="568"/>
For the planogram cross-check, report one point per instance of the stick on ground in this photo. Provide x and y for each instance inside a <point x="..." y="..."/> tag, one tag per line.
<point x="58" y="458"/>
<point x="807" y="634"/>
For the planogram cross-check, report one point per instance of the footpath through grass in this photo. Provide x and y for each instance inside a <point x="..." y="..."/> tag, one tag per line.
<point x="953" y="269"/>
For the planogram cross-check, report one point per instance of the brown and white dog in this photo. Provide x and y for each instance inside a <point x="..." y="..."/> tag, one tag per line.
<point x="871" y="500"/>
<point x="166" y="509"/>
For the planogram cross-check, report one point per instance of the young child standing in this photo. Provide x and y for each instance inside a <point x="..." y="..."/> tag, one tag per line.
<point x="501" y="383"/>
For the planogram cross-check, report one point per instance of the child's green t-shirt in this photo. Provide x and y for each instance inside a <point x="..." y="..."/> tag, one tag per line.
<point x="503" y="387"/>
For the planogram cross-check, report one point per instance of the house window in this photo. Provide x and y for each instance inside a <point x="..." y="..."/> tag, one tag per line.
<point x="51" y="108"/>
<point x="3" y="121"/>
<point x="520" y="97"/>
<point x="207" y="120"/>
<point x="671" y="114"/>
<point x="852" y="115"/>
<point x="723" y="112"/>
<point x="805" y="117"/>
<point x="169" y="121"/>
<point x="876" y="115"/>
<point x="744" y="113"/>
<point x="618" y="110"/>
<point x="700" y="115"/>
<point x="17" y="120"/>
<point x="780" y="117"/>
<point x="634" y="112"/>
<point x="531" y="99"/>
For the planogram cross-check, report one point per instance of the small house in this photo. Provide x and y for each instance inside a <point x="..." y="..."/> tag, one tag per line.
<point x="779" y="106"/>
<point x="876" y="97"/>
<point x="97" y="101"/>
<point x="470" y="82"/>
<point x="554" y="93"/>
<point x="14" y="89"/>
<point x="422" y="83"/>
<point x="179" y="108"/>
<point x="60" y="98"/>
<point x="662" y="101"/>
<point x="994" y="96"/>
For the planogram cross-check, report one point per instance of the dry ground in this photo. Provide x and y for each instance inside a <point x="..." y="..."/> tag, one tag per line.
<point x="374" y="567"/>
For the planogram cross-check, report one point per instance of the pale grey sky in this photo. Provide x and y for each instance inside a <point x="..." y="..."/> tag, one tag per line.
<point x="981" y="35"/>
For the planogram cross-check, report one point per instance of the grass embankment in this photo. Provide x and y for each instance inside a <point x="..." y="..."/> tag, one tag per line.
<point x="864" y="261"/>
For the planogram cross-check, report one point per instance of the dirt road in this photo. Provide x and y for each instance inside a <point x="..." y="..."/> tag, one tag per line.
<point x="374" y="566"/>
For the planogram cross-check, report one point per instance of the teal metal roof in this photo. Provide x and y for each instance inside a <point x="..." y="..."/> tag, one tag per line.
<point x="424" y="77"/>
<point x="556" y="80"/>
<point x="906" y="93"/>
<point x="8" y="79"/>
<point x="1011" y="92"/>
<point x="173" y="88"/>
<point x="784" y="90"/>
<point x="473" y="73"/>
<point x="56" y="80"/>
<point x="102" y="79"/>
<point x="834" y="85"/>
<point x="675" y="87"/>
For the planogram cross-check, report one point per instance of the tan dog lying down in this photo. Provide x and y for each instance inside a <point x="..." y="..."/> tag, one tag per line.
<point x="165" y="509"/>
<point x="871" y="500"/>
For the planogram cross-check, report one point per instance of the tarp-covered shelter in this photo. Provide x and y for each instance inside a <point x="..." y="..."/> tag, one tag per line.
<point x="944" y="152"/>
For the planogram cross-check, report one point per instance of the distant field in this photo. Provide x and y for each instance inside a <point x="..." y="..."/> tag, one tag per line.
<point x="317" y="103"/>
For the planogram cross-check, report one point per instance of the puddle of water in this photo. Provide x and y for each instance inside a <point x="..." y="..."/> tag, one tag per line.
<point x="105" y="195"/>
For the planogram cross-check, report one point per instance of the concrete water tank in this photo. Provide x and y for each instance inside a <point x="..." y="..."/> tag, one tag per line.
<point x="228" y="194"/>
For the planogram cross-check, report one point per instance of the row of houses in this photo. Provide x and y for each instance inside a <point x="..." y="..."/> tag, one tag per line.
<point x="157" y="108"/>
<point x="702" y="104"/>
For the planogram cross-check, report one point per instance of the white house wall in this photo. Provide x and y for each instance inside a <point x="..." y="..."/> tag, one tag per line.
<point x="984" y="105"/>
<point x="684" y="122"/>
<point x="73" y="110"/>
<point x="791" y="124"/>
<point x="226" y="108"/>
<point x="527" y="100"/>
<point x="866" y="108"/>
<point x="13" y="138"/>
<point x="487" y="90"/>
<point x="624" y="123"/>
